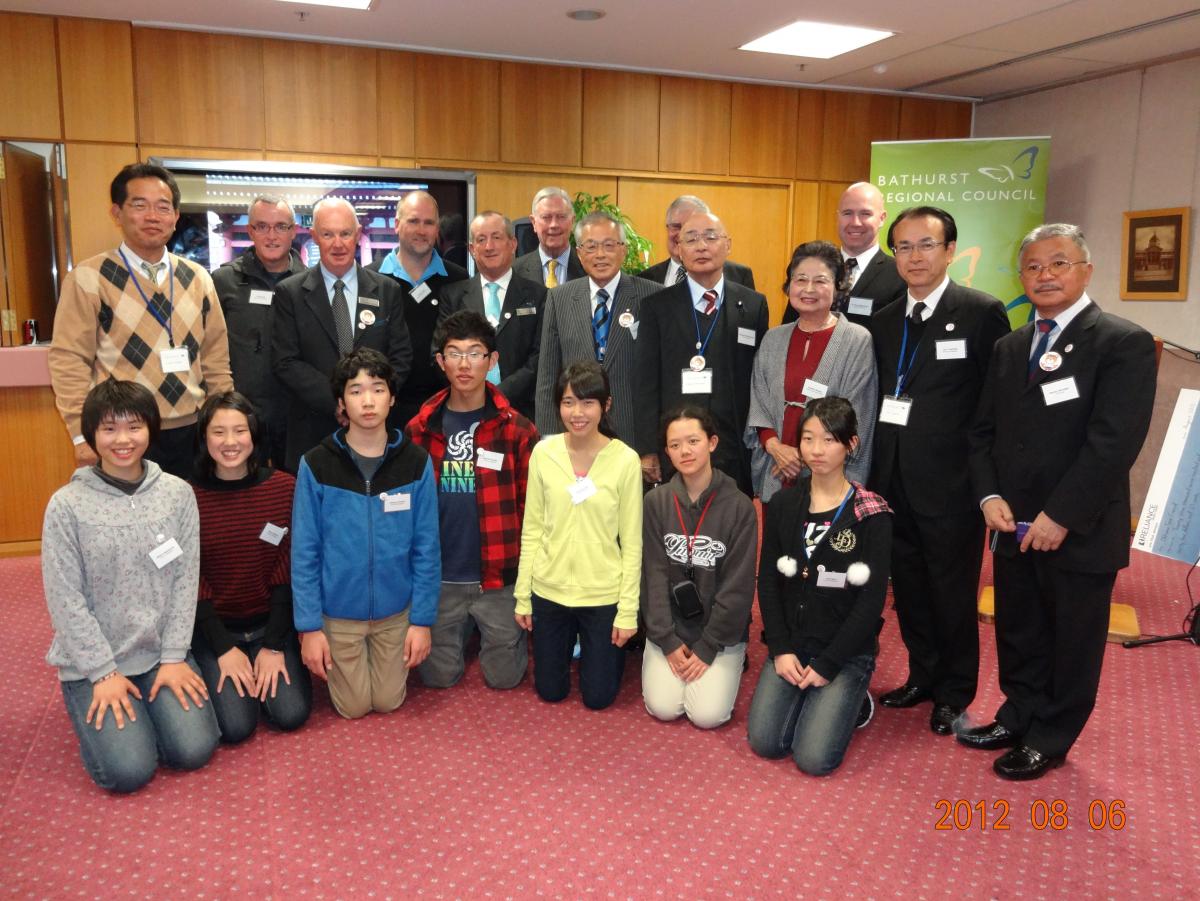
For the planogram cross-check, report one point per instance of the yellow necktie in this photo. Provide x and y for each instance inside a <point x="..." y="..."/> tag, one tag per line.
<point x="551" y="278"/>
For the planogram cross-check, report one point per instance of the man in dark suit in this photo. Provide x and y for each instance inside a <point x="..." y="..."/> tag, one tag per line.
<point x="932" y="350"/>
<point x="325" y="312"/>
<point x="422" y="275"/>
<point x="871" y="273"/>
<point x="671" y="270"/>
<point x="513" y="305"/>
<point x="697" y="344"/>
<point x="555" y="261"/>
<point x="593" y="318"/>
<point x="246" y="286"/>
<point x="1063" y="415"/>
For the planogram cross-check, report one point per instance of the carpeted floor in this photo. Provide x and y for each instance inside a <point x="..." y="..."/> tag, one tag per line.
<point x="469" y="793"/>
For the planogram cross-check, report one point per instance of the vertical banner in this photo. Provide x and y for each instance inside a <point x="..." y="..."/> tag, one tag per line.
<point x="1170" y="521"/>
<point x="995" y="188"/>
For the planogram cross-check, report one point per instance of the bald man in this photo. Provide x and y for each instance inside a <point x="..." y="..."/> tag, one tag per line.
<point x="874" y="281"/>
<point x="695" y="344"/>
<point x="325" y="312"/>
<point x="671" y="270"/>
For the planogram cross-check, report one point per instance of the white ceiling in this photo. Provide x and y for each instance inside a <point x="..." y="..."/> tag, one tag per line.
<point x="972" y="49"/>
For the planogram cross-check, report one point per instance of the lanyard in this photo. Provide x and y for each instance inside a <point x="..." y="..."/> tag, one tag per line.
<point x="149" y="306"/>
<point x="701" y="346"/>
<point x="902" y="370"/>
<point x="808" y="551"/>
<point x="691" y="539"/>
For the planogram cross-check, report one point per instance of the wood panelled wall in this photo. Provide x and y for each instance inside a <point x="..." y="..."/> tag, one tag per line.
<point x="771" y="160"/>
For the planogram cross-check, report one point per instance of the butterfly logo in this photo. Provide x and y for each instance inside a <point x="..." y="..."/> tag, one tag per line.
<point x="1005" y="174"/>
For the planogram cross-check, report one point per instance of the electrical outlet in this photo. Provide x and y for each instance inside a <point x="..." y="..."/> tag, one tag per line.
<point x="8" y="320"/>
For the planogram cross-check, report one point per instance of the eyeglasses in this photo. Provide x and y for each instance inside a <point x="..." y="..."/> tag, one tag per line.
<point x="265" y="228"/>
<point x="904" y="249"/>
<point x="1057" y="267"/>
<point x="163" y="208"/>
<point x="471" y="356"/>
<point x="820" y="281"/>
<point x="607" y="246"/>
<point x="692" y="239"/>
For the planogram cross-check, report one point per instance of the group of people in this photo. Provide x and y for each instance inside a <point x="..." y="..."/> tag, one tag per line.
<point x="553" y="447"/>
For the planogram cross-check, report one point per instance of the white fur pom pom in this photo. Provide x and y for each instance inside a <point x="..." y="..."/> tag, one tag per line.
<point x="787" y="565"/>
<point x="858" y="573"/>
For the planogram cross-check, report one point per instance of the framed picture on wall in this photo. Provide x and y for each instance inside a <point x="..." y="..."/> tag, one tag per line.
<point x="1154" y="265"/>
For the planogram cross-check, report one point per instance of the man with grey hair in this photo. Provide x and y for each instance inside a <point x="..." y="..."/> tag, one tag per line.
<point x="671" y="270"/>
<point x="246" y="287"/>
<point x="422" y="276"/>
<point x="554" y="262"/>
<point x="513" y="305"/>
<point x="324" y="313"/>
<point x="1064" y="411"/>
<point x="593" y="318"/>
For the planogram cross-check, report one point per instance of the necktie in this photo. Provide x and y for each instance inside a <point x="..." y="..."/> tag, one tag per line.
<point x="152" y="270"/>
<point x="710" y="302"/>
<point x="851" y="272"/>
<point x="600" y="323"/>
<point x="917" y="316"/>
<point x="680" y="274"/>
<point x="552" y="273"/>
<point x="1045" y="327"/>
<point x="341" y="318"/>
<point x="491" y="304"/>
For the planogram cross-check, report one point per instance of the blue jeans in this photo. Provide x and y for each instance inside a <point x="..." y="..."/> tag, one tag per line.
<point x="123" y="760"/>
<point x="813" y="724"/>
<point x="237" y="716"/>
<point x="601" y="662"/>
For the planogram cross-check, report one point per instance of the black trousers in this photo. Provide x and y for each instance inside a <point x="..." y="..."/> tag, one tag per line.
<point x="935" y="581"/>
<point x="175" y="450"/>
<point x="1051" y="627"/>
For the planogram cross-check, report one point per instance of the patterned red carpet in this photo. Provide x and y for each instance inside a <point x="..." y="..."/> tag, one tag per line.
<point x="469" y="793"/>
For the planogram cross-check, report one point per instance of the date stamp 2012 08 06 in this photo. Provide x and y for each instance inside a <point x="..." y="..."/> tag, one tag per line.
<point x="962" y="815"/>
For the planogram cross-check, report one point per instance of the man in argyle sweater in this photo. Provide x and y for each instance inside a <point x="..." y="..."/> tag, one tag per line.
<point x="138" y="313"/>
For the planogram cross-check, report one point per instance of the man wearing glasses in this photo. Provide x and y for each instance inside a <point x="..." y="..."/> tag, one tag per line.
<point x="246" y="288"/>
<point x="932" y="349"/>
<point x="671" y="270"/>
<point x="697" y="344"/>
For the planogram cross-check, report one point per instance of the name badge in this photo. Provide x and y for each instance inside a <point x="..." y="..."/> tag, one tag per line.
<point x="487" y="459"/>
<point x="396" y="503"/>
<point x="826" y="579"/>
<point x="747" y="336"/>
<point x="526" y="311"/>
<point x="895" y="410"/>
<point x="261" y="297"/>
<point x="175" y="359"/>
<point x="952" y="350"/>
<point x="272" y="534"/>
<point x="813" y="390"/>
<point x="166" y="552"/>
<point x="696" y="382"/>
<point x="860" y="306"/>
<point x="368" y="302"/>
<point x="1060" y="390"/>
<point x="581" y="490"/>
<point x="420" y="292"/>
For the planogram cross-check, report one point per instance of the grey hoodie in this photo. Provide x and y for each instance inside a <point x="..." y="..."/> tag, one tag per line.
<point x="112" y="607"/>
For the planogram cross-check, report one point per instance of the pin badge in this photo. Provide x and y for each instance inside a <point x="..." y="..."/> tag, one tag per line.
<point x="949" y="326"/>
<point x="625" y="319"/>
<point x="1050" y="361"/>
<point x="365" y="318"/>
<point x="1068" y="348"/>
<point x="696" y="363"/>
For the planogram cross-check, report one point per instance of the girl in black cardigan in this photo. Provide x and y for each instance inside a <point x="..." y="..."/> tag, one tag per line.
<point x="822" y="577"/>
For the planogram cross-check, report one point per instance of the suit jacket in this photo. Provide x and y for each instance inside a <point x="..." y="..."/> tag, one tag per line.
<point x="930" y="453"/>
<point x="518" y="335"/>
<point x="734" y="272"/>
<point x="668" y="341"/>
<point x="567" y="338"/>
<point x="880" y="283"/>
<point x="304" y="348"/>
<point x="1070" y="459"/>
<point x="529" y="266"/>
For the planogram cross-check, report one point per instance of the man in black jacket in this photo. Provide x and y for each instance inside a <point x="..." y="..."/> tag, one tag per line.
<point x="671" y="270"/>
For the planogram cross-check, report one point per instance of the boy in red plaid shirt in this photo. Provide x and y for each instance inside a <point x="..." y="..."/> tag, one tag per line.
<point x="480" y="447"/>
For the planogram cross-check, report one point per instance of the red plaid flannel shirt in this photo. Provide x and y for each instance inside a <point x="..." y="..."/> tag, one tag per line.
<point x="868" y="503"/>
<point x="499" y="493"/>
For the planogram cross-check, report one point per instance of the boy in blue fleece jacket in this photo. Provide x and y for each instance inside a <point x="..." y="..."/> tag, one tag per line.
<point x="366" y="562"/>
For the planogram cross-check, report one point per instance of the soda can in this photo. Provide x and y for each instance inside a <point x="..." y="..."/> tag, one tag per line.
<point x="30" y="331"/>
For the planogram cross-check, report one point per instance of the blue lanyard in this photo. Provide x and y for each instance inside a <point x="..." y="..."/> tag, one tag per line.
<point x="902" y="375"/>
<point x="702" y="346"/>
<point x="808" y="551"/>
<point x="149" y="306"/>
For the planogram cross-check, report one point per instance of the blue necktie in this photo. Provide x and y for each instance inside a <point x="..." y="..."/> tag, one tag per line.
<point x="1045" y="326"/>
<point x="600" y="323"/>
<point x="491" y="306"/>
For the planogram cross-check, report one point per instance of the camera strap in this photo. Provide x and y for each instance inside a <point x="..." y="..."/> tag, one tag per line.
<point x="691" y="539"/>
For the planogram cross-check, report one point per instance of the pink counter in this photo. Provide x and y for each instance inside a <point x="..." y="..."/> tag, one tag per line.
<point x="24" y="367"/>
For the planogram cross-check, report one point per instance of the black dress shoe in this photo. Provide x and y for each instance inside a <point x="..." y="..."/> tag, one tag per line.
<point x="1023" y="762"/>
<point x="987" y="738"/>
<point x="941" y="721"/>
<point x="907" y="695"/>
